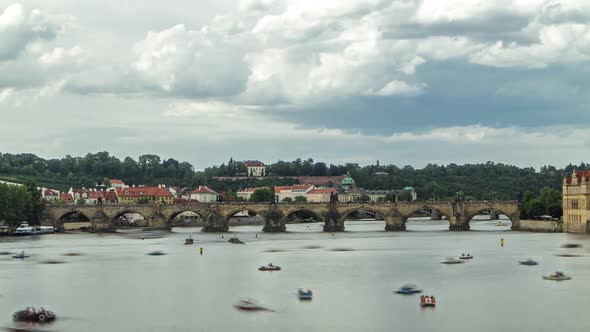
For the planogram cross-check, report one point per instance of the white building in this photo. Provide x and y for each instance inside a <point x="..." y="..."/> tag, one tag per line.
<point x="292" y="191"/>
<point x="255" y="168"/>
<point x="115" y="183"/>
<point x="50" y="195"/>
<point x="244" y="194"/>
<point x="203" y="194"/>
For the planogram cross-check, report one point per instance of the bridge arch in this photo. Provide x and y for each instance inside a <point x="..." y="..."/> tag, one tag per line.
<point x="513" y="217"/>
<point x="116" y="221"/>
<point x="249" y="210"/>
<point x="200" y="213"/>
<point x="289" y="213"/>
<point x="60" y="220"/>
<point x="345" y="215"/>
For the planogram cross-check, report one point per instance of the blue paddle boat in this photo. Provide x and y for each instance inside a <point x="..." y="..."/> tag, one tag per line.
<point x="304" y="294"/>
<point x="408" y="289"/>
<point x="529" y="262"/>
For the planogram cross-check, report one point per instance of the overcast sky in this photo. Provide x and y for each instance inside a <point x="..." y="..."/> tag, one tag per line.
<point x="399" y="81"/>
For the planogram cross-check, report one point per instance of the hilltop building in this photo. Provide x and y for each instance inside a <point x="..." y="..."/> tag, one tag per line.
<point x="576" y="202"/>
<point x="255" y="168"/>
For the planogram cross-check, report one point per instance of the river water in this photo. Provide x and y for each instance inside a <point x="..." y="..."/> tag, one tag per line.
<point x="115" y="286"/>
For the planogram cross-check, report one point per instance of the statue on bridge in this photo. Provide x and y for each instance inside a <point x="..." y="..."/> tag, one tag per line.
<point x="333" y="197"/>
<point x="460" y="196"/>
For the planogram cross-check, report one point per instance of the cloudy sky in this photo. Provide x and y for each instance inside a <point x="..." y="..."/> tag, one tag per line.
<point x="400" y="81"/>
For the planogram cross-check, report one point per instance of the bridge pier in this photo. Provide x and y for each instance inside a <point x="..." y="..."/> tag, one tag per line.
<point x="395" y="223"/>
<point x="332" y="220"/>
<point x="494" y="215"/>
<point x="274" y="221"/>
<point x="435" y="215"/>
<point x="215" y="223"/>
<point x="458" y="223"/>
<point x="515" y="219"/>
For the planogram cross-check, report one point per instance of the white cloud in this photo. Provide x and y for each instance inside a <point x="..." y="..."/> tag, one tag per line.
<point x="188" y="62"/>
<point x="568" y="42"/>
<point x="20" y="27"/>
<point x="5" y="94"/>
<point x="59" y="54"/>
<point x="398" y="88"/>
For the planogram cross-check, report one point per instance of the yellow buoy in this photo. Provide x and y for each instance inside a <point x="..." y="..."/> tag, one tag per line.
<point x="201" y="250"/>
<point x="501" y="242"/>
<point x="222" y="236"/>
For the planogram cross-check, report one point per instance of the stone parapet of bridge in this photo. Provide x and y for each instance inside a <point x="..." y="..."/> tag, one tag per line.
<point x="216" y="215"/>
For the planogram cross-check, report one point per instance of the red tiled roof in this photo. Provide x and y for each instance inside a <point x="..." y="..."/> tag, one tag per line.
<point x="203" y="190"/>
<point x="49" y="192"/>
<point x="96" y="194"/>
<point x="117" y="181"/>
<point x="144" y="192"/>
<point x="110" y="196"/>
<point x="322" y="191"/>
<point x="253" y="163"/>
<point x="580" y="175"/>
<point x="67" y="197"/>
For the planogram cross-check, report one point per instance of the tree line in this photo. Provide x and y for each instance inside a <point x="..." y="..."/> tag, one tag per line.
<point x="485" y="181"/>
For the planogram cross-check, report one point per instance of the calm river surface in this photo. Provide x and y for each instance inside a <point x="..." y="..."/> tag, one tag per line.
<point x="115" y="286"/>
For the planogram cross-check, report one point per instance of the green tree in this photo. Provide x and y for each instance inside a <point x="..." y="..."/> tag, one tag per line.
<point x="262" y="195"/>
<point x="404" y="196"/>
<point x="301" y="199"/>
<point x="287" y="200"/>
<point x="82" y="201"/>
<point x="143" y="200"/>
<point x="535" y="208"/>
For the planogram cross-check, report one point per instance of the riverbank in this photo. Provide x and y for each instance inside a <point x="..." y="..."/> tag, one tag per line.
<point x="541" y="226"/>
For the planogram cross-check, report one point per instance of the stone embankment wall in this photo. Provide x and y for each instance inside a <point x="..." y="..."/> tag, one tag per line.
<point x="68" y="226"/>
<point x="540" y="226"/>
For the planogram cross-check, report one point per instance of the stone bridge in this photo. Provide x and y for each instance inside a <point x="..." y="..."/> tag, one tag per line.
<point x="217" y="215"/>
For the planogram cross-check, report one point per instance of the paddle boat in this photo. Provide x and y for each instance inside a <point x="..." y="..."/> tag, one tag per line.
<point x="451" y="260"/>
<point x="408" y="289"/>
<point x="235" y="240"/>
<point x="571" y="245"/>
<point x="557" y="276"/>
<point x="567" y="254"/>
<point x="529" y="262"/>
<point x="21" y="255"/>
<point x="269" y="267"/>
<point x="249" y="305"/>
<point x="468" y="256"/>
<point x="157" y="253"/>
<point x="304" y="294"/>
<point x="189" y="240"/>
<point x="427" y="301"/>
<point x="34" y="316"/>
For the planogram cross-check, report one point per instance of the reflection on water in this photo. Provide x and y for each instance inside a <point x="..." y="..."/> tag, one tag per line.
<point x="110" y="284"/>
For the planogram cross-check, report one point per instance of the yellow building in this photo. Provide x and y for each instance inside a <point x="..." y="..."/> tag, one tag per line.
<point x="576" y="202"/>
<point x="134" y="195"/>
